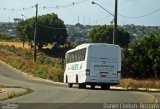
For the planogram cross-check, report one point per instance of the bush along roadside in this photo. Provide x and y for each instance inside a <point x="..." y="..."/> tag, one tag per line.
<point x="51" y="68"/>
<point x="45" y="67"/>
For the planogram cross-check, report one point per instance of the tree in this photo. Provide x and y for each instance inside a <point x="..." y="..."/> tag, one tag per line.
<point x="49" y="29"/>
<point x="21" y="32"/>
<point x="141" y="60"/>
<point x="104" y="34"/>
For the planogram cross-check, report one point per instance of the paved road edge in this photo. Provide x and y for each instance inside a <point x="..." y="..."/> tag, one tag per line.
<point x="5" y="65"/>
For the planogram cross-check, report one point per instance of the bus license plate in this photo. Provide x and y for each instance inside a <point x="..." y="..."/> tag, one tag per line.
<point x="104" y="76"/>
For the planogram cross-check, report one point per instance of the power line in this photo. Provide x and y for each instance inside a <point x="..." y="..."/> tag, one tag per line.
<point x="46" y="7"/>
<point x="141" y="15"/>
<point x="49" y="27"/>
<point x="66" y="5"/>
<point x="12" y="9"/>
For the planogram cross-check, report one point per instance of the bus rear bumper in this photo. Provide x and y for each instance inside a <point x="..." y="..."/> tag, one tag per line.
<point x="100" y="80"/>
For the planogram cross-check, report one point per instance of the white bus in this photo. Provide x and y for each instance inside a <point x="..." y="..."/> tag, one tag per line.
<point x="93" y="64"/>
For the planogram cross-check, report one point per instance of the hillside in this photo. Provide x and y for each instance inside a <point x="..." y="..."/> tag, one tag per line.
<point x="78" y="33"/>
<point x="138" y="31"/>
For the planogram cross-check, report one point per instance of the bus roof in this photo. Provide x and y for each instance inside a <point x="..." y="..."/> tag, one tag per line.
<point x="85" y="45"/>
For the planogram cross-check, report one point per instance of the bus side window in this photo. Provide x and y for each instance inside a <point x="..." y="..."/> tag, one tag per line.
<point x="72" y="57"/>
<point x="83" y="54"/>
<point x="80" y="55"/>
<point x="76" y="56"/>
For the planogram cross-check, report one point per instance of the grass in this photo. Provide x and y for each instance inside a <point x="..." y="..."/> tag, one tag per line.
<point x="14" y="94"/>
<point x="20" y="44"/>
<point x="45" y="67"/>
<point x="16" y="44"/>
<point x="50" y="68"/>
<point x="135" y="84"/>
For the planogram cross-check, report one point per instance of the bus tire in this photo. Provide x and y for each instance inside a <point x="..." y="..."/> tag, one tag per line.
<point x="77" y="79"/>
<point x="105" y="87"/>
<point x="66" y="79"/>
<point x="84" y="86"/>
<point x="108" y="87"/>
<point x="81" y="86"/>
<point x="92" y="86"/>
<point x="70" y="85"/>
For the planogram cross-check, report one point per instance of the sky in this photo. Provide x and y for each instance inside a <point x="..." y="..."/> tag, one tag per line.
<point x="82" y="11"/>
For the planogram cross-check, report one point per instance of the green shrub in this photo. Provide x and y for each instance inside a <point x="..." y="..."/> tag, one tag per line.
<point x="55" y="74"/>
<point x="16" y="63"/>
<point x="28" y="55"/>
<point x="44" y="60"/>
<point x="40" y="73"/>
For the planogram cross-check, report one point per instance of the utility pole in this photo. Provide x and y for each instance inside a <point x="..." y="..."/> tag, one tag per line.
<point x="78" y="19"/>
<point x="83" y="20"/>
<point x="115" y="19"/>
<point x="115" y="22"/>
<point x="35" y="35"/>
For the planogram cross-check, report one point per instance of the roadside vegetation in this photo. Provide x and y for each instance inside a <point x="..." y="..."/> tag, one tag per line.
<point x="13" y="94"/>
<point x="52" y="68"/>
<point x="135" y="84"/>
<point x="17" y="44"/>
<point x="141" y="60"/>
<point x="140" y="56"/>
<point x="46" y="67"/>
<point x="51" y="30"/>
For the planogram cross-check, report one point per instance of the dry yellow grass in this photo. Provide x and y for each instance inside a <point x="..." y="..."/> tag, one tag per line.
<point x="45" y="67"/>
<point x="20" y="44"/>
<point x="131" y="83"/>
<point x="16" y="44"/>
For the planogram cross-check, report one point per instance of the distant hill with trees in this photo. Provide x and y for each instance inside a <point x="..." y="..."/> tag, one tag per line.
<point x="8" y="28"/>
<point x="138" y="31"/>
<point x="140" y="58"/>
<point x="78" y="33"/>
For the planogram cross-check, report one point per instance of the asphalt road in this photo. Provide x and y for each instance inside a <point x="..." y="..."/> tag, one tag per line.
<point x="49" y="94"/>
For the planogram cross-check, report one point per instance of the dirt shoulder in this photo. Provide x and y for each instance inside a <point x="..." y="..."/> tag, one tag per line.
<point x="1" y="90"/>
<point x="8" y="93"/>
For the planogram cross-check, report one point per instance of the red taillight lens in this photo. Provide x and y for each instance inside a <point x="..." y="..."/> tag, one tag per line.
<point x="87" y="72"/>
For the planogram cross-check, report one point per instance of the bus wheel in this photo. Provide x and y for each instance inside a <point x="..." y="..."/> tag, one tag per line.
<point x="77" y="79"/>
<point x="70" y="85"/>
<point x="92" y="86"/>
<point x="81" y="86"/>
<point x="66" y="79"/>
<point x="108" y="87"/>
<point x="105" y="87"/>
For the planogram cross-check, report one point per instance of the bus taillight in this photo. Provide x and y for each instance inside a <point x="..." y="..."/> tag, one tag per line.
<point x="87" y="72"/>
